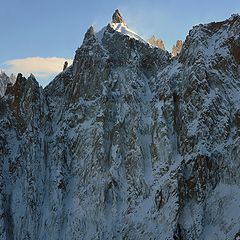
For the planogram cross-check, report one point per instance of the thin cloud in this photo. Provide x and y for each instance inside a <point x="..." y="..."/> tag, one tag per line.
<point x="40" y="67"/>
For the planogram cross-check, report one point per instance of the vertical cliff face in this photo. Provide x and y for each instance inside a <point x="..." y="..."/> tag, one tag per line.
<point x="206" y="99"/>
<point x="126" y="143"/>
<point x="22" y="159"/>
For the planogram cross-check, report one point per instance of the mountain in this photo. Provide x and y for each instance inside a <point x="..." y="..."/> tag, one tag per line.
<point x="177" y="48"/>
<point x="127" y="142"/>
<point x="4" y="81"/>
<point x="156" y="42"/>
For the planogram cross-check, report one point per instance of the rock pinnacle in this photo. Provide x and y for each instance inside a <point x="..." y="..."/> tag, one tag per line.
<point x="117" y="18"/>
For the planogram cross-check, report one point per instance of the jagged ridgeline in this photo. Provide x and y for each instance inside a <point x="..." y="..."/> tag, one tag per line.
<point x="128" y="142"/>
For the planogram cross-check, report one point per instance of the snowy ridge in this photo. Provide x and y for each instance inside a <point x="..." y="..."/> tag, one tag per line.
<point x="123" y="29"/>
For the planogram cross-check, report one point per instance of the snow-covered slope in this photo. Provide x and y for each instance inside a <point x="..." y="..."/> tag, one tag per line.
<point x="122" y="28"/>
<point x="127" y="143"/>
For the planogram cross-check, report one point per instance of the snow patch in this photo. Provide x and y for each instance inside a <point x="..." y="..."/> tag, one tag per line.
<point x="123" y="29"/>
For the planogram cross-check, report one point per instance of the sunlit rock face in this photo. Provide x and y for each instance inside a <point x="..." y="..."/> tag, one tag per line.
<point x="126" y="143"/>
<point x="177" y="48"/>
<point x="156" y="42"/>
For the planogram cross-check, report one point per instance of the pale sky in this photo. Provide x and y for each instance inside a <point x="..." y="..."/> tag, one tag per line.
<point x="37" y="36"/>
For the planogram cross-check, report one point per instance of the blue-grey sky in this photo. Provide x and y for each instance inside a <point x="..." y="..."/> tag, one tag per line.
<point x="35" y="31"/>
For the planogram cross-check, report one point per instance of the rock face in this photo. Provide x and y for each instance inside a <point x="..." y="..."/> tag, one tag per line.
<point x="126" y="143"/>
<point x="117" y="18"/>
<point x="176" y="49"/>
<point x="156" y="42"/>
<point x="5" y="80"/>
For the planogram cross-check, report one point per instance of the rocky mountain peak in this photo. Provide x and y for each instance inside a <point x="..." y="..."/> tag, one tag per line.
<point x="177" y="48"/>
<point x="5" y="80"/>
<point x="12" y="78"/>
<point x="32" y="80"/>
<point x="89" y="35"/>
<point x="117" y="18"/>
<point x="3" y="74"/>
<point x="20" y="78"/>
<point x="32" y="77"/>
<point x="156" y="42"/>
<point x="19" y="86"/>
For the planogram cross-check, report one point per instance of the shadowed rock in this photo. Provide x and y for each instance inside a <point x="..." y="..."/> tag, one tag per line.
<point x="65" y="65"/>
<point x="88" y="35"/>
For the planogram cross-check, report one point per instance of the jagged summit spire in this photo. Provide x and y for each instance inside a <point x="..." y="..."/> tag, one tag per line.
<point x="31" y="77"/>
<point x="89" y="34"/>
<point x="117" y="18"/>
